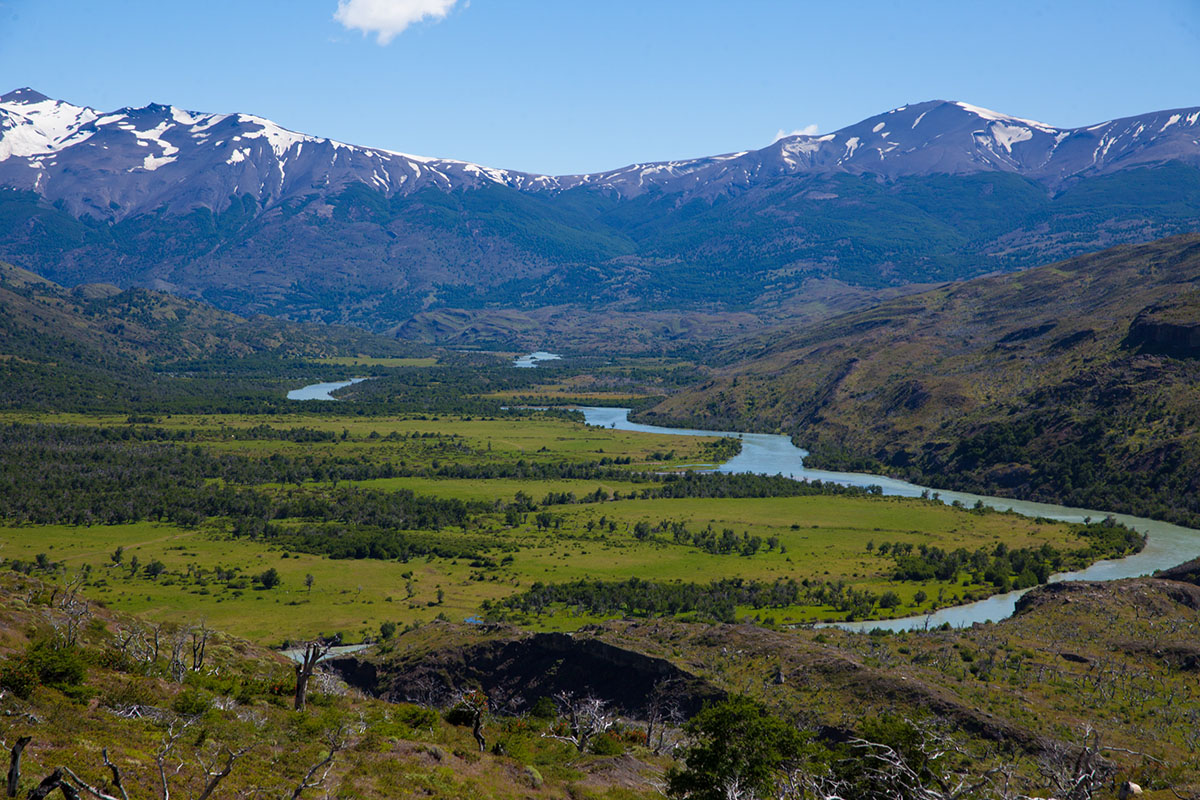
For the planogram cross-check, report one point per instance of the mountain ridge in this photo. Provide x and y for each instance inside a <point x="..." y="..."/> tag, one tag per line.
<point x="243" y="214"/>
<point x="268" y="161"/>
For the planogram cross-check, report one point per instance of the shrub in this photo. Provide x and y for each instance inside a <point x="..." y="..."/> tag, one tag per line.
<point x="58" y="666"/>
<point x="191" y="703"/>
<point x="533" y="776"/>
<point x="128" y="692"/>
<point x="416" y="717"/>
<point x="736" y="738"/>
<point x="460" y="715"/>
<point x="543" y="708"/>
<point x="18" y="676"/>
<point x="608" y="744"/>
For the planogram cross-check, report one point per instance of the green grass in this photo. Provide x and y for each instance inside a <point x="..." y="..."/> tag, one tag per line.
<point x="352" y="596"/>
<point x="369" y="361"/>
<point x="493" y="439"/>
<point x="495" y="488"/>
<point x="823" y="538"/>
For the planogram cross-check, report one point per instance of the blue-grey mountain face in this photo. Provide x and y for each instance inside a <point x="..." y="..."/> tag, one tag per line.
<point x="253" y="217"/>
<point x="145" y="158"/>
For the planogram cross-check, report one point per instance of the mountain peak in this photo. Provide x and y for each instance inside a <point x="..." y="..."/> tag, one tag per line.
<point x="145" y="157"/>
<point x="24" y="95"/>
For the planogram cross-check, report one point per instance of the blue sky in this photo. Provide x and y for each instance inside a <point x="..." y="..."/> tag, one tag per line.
<point x="560" y="86"/>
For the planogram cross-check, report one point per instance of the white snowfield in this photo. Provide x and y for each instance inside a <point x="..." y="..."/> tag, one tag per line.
<point x="43" y="137"/>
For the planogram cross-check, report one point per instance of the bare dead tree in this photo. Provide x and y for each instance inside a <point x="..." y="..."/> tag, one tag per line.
<point x="199" y="644"/>
<point x="76" y="609"/>
<point x="49" y="784"/>
<point x="880" y="770"/>
<point x="96" y="791"/>
<point x="669" y="731"/>
<point x="336" y="740"/>
<point x="14" y="764"/>
<point x="158" y="631"/>
<point x="174" y="731"/>
<point x="424" y="691"/>
<point x="584" y="718"/>
<point x="888" y="767"/>
<point x="314" y="651"/>
<point x="1078" y="773"/>
<point x="116" y="774"/>
<point x="656" y="703"/>
<point x="178" y="642"/>
<point x="218" y="769"/>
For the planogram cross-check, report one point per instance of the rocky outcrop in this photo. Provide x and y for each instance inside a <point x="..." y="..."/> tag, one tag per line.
<point x="1169" y="329"/>
<point x="527" y="667"/>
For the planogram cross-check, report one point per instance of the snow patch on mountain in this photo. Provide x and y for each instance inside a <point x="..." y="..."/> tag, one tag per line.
<point x="138" y="159"/>
<point x="39" y="125"/>
<point x="996" y="116"/>
<point x="280" y="139"/>
<point x="1007" y="135"/>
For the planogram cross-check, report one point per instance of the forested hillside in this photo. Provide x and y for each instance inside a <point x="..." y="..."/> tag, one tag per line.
<point x="1075" y="382"/>
<point x="100" y="345"/>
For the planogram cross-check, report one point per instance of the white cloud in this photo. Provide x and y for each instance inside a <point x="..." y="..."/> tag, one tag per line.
<point x="388" y="18"/>
<point x="807" y="130"/>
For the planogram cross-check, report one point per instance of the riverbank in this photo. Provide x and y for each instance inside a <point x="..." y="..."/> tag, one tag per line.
<point x="1167" y="545"/>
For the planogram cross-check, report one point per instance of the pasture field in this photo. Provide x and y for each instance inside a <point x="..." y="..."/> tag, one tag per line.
<point x="353" y="596"/>
<point x="370" y="361"/>
<point x="521" y="529"/>
<point x="536" y="437"/>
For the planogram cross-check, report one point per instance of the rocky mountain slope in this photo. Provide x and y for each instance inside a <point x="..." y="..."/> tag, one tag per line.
<point x="136" y="160"/>
<point x="236" y="210"/>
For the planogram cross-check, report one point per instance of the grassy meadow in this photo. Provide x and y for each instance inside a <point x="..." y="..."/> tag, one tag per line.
<point x="207" y="574"/>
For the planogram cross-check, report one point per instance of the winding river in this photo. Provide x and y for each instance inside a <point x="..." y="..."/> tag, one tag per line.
<point x="321" y="391"/>
<point x="531" y="360"/>
<point x="771" y="454"/>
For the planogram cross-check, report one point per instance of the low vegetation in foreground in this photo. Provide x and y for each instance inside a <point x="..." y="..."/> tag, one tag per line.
<point x="1088" y="687"/>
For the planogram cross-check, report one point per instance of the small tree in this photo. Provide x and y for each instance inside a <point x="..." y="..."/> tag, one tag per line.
<point x="270" y="579"/>
<point x="474" y="706"/>
<point x="738" y="749"/>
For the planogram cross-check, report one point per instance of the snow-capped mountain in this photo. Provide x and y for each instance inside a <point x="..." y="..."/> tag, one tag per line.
<point x="137" y="159"/>
<point x="236" y="210"/>
<point x="935" y="137"/>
